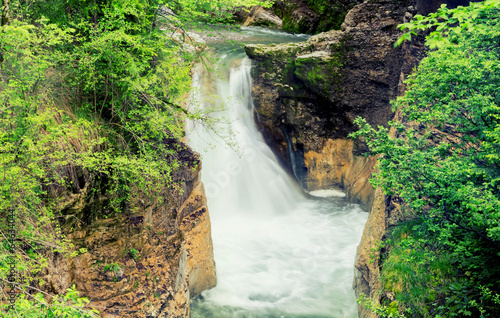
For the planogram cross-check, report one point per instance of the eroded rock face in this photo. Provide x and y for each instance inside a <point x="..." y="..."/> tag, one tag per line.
<point x="198" y="242"/>
<point x="367" y="273"/>
<point x="258" y="16"/>
<point x="335" y="164"/>
<point x="146" y="263"/>
<point x="386" y="211"/>
<point x="312" y="16"/>
<point x="308" y="94"/>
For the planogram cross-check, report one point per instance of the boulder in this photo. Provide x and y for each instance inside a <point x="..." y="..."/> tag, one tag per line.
<point x="259" y="16"/>
<point x="313" y="16"/>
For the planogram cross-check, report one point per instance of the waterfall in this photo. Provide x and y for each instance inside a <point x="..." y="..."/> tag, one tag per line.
<point x="296" y="157"/>
<point x="278" y="252"/>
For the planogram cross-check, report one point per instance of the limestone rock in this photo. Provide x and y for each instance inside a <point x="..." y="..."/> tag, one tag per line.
<point x="308" y="94"/>
<point x="312" y="16"/>
<point x="367" y="273"/>
<point x="173" y="257"/>
<point x="356" y="181"/>
<point x="259" y="16"/>
<point x="198" y="243"/>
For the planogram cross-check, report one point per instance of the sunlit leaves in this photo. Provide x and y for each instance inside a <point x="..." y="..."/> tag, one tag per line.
<point x="443" y="161"/>
<point x="89" y="90"/>
<point x="447" y="25"/>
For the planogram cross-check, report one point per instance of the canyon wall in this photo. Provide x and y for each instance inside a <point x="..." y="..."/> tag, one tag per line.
<point x="308" y="94"/>
<point x="147" y="261"/>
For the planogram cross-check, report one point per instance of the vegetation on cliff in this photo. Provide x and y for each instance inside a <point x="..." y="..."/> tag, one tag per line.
<point x="89" y="91"/>
<point x="442" y="158"/>
<point x="313" y="16"/>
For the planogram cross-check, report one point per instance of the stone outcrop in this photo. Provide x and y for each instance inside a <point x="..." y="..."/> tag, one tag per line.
<point x="308" y="94"/>
<point x="312" y="16"/>
<point x="258" y="16"/>
<point x="367" y="273"/>
<point x="385" y="212"/>
<point x="198" y="242"/>
<point x="148" y="261"/>
<point x="335" y="165"/>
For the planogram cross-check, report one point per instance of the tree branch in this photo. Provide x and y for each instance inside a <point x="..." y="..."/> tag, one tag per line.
<point x="447" y="217"/>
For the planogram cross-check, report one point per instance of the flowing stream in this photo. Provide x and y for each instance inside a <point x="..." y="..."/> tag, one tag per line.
<point x="278" y="251"/>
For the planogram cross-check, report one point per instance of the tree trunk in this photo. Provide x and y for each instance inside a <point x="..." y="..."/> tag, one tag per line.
<point x="5" y="12"/>
<point x="4" y="20"/>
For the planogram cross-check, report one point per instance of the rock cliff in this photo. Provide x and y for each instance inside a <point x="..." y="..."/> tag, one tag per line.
<point x="146" y="262"/>
<point x="385" y="212"/>
<point x="312" y="16"/>
<point x="308" y="94"/>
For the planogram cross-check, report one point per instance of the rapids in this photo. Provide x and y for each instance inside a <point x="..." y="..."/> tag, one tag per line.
<point x="278" y="251"/>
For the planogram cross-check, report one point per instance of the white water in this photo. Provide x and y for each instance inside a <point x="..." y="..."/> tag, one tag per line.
<point x="278" y="253"/>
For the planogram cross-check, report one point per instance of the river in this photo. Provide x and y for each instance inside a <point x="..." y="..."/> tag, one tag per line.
<point x="278" y="251"/>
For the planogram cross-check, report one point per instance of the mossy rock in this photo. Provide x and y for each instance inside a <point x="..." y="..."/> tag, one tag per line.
<point x="321" y="73"/>
<point x="315" y="16"/>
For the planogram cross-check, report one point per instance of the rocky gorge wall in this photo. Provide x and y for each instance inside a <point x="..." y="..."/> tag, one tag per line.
<point x="308" y="94"/>
<point x="146" y="262"/>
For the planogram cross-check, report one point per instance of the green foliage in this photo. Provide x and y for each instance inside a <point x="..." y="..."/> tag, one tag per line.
<point x="450" y="25"/>
<point x="68" y="305"/>
<point x="442" y="159"/>
<point x="115" y="267"/>
<point x="134" y="253"/>
<point x="413" y="270"/>
<point x="383" y="311"/>
<point x="90" y="95"/>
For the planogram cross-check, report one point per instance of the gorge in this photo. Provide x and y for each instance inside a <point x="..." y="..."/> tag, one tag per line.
<point x="279" y="252"/>
<point x="147" y="182"/>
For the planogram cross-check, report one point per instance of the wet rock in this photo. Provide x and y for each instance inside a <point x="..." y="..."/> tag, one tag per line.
<point x="312" y="92"/>
<point x="173" y="258"/>
<point x="367" y="273"/>
<point x="259" y="16"/>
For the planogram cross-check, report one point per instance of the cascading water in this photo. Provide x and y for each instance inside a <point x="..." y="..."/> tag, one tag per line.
<point x="278" y="252"/>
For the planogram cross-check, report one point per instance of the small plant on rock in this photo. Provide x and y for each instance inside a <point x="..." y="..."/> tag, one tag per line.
<point x="134" y="253"/>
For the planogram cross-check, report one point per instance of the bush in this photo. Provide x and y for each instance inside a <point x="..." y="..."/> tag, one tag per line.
<point x="443" y="160"/>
